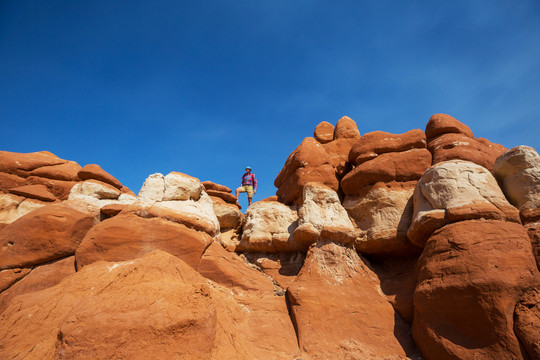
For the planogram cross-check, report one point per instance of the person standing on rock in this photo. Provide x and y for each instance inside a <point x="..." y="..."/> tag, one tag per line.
<point x="249" y="184"/>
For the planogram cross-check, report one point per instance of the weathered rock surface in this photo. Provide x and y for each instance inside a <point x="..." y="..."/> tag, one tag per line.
<point x="94" y="171"/>
<point x="281" y="267"/>
<point x="398" y="166"/>
<point x="471" y="274"/>
<point x="449" y="139"/>
<point x="38" y="278"/>
<point x="379" y="189"/>
<point x="269" y="227"/>
<point x="128" y="236"/>
<point x="13" y="207"/>
<point x="454" y="191"/>
<point x="527" y="321"/>
<point x="372" y="144"/>
<point x="321" y="214"/>
<point x="48" y="233"/>
<point x="324" y="132"/>
<point x="518" y="172"/>
<point x="346" y="128"/>
<point x="382" y="214"/>
<point x="309" y="162"/>
<point x="38" y="192"/>
<point x="339" y="312"/>
<point x="158" y="304"/>
<point x="39" y="168"/>
<point x="173" y="213"/>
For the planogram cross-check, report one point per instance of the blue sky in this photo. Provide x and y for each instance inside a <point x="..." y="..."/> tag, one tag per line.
<point x="208" y="87"/>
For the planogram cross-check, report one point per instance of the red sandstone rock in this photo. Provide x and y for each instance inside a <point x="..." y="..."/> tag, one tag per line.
<point x="309" y="162"/>
<point x="228" y="269"/>
<point x="229" y="198"/>
<point x="282" y="267"/>
<point x="11" y="276"/>
<point x="346" y="129"/>
<point x="398" y="281"/>
<point x="67" y="171"/>
<point x="527" y="321"/>
<point x="339" y="153"/>
<point x="209" y="185"/>
<point x="493" y="148"/>
<point x="324" y="132"/>
<point x="534" y="234"/>
<point x="39" y="278"/>
<point x="10" y="181"/>
<point x="471" y="274"/>
<point x="338" y="311"/>
<point x="94" y="171"/>
<point x="45" y="234"/>
<point x="158" y="305"/>
<point x="460" y="147"/>
<point x="372" y="144"/>
<point x="400" y="166"/>
<point x="39" y="192"/>
<point x="60" y="188"/>
<point x="22" y="164"/>
<point x="112" y="209"/>
<point x="125" y="237"/>
<point x="440" y="124"/>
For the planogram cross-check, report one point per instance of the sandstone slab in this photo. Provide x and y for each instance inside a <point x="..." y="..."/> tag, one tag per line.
<point x="48" y="233"/>
<point x="94" y="171"/>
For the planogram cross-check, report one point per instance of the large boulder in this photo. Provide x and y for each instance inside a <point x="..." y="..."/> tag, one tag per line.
<point x="454" y="191"/>
<point x="45" y="234"/>
<point x="324" y="132"/>
<point x="40" y="168"/>
<point x="309" y="162"/>
<point x="518" y="172"/>
<point x="378" y="190"/>
<point x="321" y="214"/>
<point x="471" y="275"/>
<point x="449" y="139"/>
<point x="376" y="143"/>
<point x="172" y="213"/>
<point x="94" y="171"/>
<point x="38" y="278"/>
<point x="382" y="214"/>
<point x="157" y="304"/>
<point x="269" y="227"/>
<point x="396" y="166"/>
<point x="339" y="312"/>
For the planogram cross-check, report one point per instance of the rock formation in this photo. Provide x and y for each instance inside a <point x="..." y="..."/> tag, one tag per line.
<point x="418" y="245"/>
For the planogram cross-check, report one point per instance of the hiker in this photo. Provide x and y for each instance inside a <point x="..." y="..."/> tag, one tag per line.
<point x="249" y="184"/>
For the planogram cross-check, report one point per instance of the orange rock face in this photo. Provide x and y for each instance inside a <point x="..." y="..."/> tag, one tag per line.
<point x="449" y="139"/>
<point x="346" y="128"/>
<point x="126" y="237"/>
<point x="94" y="171"/>
<point x="339" y="313"/>
<point x="466" y="286"/>
<point x="39" y="192"/>
<point x="372" y="144"/>
<point x="309" y="162"/>
<point x="45" y="234"/>
<point x="39" y="278"/>
<point x="324" y="132"/>
<point x="41" y="168"/>
<point x="401" y="166"/>
<point x="158" y="304"/>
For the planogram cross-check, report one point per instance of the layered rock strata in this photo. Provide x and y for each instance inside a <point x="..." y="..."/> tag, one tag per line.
<point x="378" y="190"/>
